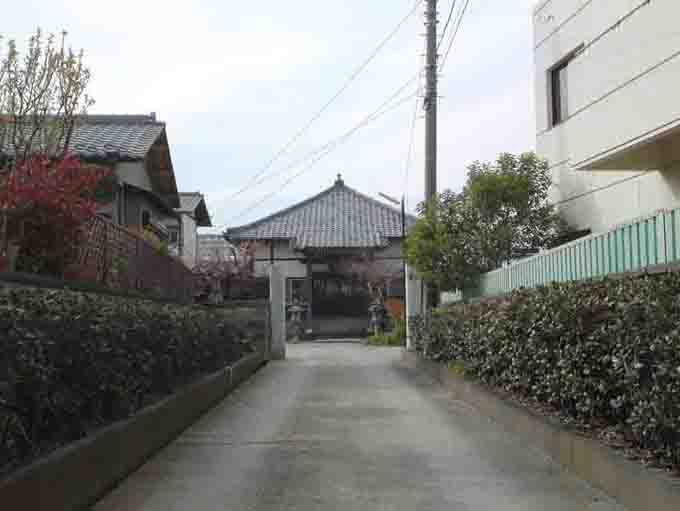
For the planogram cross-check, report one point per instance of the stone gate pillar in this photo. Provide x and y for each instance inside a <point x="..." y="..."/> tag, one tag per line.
<point x="277" y="302"/>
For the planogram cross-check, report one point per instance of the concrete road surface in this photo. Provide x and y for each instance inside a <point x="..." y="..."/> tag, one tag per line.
<point x="346" y="427"/>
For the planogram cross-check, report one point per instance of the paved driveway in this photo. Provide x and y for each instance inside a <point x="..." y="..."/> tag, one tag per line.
<point x="346" y="427"/>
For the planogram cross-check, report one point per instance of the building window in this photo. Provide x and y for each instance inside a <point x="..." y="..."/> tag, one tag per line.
<point x="295" y="290"/>
<point x="559" y="104"/>
<point x="146" y="218"/>
<point x="173" y="232"/>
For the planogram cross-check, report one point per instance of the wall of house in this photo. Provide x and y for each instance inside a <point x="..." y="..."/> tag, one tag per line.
<point x="290" y="263"/>
<point x="134" y="203"/>
<point x="133" y="173"/>
<point x="189" y="240"/>
<point x="622" y="94"/>
<point x="392" y="252"/>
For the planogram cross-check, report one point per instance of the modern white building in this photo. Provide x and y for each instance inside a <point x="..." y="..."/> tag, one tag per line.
<point x="608" y="107"/>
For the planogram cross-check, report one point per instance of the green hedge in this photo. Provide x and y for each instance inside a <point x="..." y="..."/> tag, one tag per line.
<point x="604" y="353"/>
<point x="71" y="362"/>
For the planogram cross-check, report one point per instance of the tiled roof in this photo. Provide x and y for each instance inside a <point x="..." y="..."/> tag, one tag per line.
<point x="120" y="137"/>
<point x="100" y="140"/>
<point x="338" y="217"/>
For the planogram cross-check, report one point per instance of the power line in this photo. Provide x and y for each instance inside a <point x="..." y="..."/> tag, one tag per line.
<point x="459" y="21"/>
<point x="446" y="26"/>
<point x="329" y="103"/>
<point x="320" y="157"/>
<point x="309" y="155"/>
<point x="383" y="109"/>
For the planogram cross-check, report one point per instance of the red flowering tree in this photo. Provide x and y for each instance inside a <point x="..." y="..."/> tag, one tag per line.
<point x="45" y="205"/>
<point x="374" y="274"/>
<point x="218" y="269"/>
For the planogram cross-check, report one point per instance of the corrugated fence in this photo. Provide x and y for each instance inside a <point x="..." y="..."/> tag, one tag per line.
<point x="630" y="247"/>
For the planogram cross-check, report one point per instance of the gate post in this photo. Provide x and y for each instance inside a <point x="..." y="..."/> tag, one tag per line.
<point x="277" y="303"/>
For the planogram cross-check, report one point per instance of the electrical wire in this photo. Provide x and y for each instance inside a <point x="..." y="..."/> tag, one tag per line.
<point x="459" y="21"/>
<point x="321" y="153"/>
<point x="319" y="158"/>
<point x="446" y="26"/>
<point x="254" y="180"/>
<point x="309" y="155"/>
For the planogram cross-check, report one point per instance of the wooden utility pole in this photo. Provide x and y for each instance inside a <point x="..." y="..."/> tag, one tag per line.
<point x="430" y="101"/>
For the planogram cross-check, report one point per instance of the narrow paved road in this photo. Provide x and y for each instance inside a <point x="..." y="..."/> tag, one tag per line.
<point x="346" y="427"/>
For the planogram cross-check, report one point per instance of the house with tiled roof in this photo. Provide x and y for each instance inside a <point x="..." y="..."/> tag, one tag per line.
<point x="309" y="241"/>
<point x="136" y="148"/>
<point x="143" y="190"/>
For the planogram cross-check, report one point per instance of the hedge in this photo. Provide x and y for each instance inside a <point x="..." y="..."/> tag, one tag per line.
<point x="605" y="354"/>
<point x="71" y="362"/>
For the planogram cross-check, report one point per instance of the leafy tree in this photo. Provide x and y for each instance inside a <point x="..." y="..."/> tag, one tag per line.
<point x="41" y="97"/>
<point x="501" y="214"/>
<point x="45" y="195"/>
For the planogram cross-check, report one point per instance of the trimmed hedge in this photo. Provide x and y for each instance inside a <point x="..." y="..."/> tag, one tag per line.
<point x="603" y="353"/>
<point x="71" y="362"/>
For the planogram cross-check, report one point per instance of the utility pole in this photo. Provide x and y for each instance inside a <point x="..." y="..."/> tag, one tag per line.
<point x="428" y="297"/>
<point x="430" y="101"/>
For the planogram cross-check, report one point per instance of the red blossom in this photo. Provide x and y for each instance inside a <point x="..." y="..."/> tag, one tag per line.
<point x="64" y="188"/>
<point x="54" y="199"/>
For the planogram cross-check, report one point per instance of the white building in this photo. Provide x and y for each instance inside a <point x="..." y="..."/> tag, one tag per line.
<point x="192" y="214"/>
<point x="214" y="248"/>
<point x="608" y="107"/>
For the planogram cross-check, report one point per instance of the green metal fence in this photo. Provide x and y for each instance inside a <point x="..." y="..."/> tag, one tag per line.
<point x="634" y="246"/>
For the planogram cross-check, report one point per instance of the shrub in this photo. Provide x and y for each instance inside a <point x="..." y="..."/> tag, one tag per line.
<point x="397" y="337"/>
<point x="71" y="361"/>
<point x="605" y="353"/>
<point x="49" y="203"/>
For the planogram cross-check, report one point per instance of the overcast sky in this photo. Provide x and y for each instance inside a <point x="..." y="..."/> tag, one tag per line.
<point x="234" y="80"/>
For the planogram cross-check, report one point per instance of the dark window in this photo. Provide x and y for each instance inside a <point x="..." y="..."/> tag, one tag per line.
<point x="559" y="105"/>
<point x="146" y="218"/>
<point x="295" y="290"/>
<point x="174" y="235"/>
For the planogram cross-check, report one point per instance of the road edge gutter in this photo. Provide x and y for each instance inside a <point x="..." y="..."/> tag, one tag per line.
<point x="76" y="476"/>
<point x="630" y="483"/>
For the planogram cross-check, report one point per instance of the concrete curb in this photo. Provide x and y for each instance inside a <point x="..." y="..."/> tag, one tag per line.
<point x="633" y="485"/>
<point x="76" y="476"/>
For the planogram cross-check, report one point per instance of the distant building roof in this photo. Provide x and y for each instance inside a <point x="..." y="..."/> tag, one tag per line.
<point x="194" y="205"/>
<point x="339" y="217"/>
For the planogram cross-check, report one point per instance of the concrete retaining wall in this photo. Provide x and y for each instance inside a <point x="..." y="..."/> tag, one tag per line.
<point x="633" y="485"/>
<point x="74" y="477"/>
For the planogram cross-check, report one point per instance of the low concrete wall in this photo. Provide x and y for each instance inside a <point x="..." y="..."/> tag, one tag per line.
<point x="76" y="476"/>
<point x="633" y="485"/>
